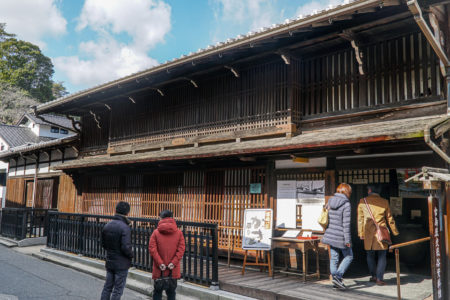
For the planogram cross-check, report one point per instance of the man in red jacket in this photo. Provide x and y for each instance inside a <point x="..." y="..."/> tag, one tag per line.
<point x="166" y="247"/>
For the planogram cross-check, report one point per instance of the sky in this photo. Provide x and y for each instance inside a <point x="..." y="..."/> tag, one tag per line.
<point x="91" y="42"/>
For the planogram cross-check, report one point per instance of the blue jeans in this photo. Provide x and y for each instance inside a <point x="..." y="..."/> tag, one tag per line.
<point x="337" y="269"/>
<point x="114" y="285"/>
<point x="376" y="269"/>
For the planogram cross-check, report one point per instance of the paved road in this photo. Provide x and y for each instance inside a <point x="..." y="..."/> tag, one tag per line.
<point x="23" y="277"/>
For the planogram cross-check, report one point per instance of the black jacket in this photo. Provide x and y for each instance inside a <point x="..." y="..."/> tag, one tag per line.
<point x="116" y="239"/>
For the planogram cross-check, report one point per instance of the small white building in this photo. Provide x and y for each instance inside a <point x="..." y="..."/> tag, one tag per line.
<point x="29" y="131"/>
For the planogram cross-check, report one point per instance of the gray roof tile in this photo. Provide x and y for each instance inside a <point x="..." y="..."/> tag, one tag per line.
<point x="17" y="135"/>
<point x="61" y="121"/>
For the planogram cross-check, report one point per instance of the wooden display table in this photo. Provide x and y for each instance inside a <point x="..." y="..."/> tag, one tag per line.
<point x="303" y="246"/>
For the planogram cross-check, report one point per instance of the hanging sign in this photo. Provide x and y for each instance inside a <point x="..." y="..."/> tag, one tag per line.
<point x="436" y="255"/>
<point x="255" y="188"/>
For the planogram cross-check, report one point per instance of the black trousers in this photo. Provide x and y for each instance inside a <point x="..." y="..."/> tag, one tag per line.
<point x="170" y="293"/>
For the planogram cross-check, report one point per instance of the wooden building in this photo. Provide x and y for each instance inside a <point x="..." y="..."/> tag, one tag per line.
<point x="29" y="133"/>
<point x="31" y="180"/>
<point x="356" y="89"/>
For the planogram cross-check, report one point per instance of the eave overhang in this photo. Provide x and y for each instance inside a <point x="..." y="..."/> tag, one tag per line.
<point x="369" y="133"/>
<point x="222" y="53"/>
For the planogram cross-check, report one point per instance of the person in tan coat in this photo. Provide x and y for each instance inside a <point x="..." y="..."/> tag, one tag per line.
<point x="367" y="231"/>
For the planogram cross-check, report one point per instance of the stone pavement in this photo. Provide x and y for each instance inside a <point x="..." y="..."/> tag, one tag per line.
<point x="413" y="286"/>
<point x="24" y="277"/>
<point x="138" y="281"/>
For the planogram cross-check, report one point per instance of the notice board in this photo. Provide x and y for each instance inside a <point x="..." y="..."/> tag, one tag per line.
<point x="257" y="229"/>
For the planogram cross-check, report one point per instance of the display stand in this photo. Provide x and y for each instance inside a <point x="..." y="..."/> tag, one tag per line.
<point x="259" y="260"/>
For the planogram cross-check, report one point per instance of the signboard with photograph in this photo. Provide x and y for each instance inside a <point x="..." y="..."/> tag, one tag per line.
<point x="257" y="231"/>
<point x="311" y="196"/>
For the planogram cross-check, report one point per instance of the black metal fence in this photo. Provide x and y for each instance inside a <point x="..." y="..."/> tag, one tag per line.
<point x="21" y="223"/>
<point x="81" y="234"/>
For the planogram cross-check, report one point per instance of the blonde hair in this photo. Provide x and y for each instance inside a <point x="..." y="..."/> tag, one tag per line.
<point x="345" y="189"/>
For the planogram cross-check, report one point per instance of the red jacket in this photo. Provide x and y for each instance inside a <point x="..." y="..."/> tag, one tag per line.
<point x="166" y="246"/>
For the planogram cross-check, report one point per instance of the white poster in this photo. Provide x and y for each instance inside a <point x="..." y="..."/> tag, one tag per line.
<point x="311" y="196"/>
<point x="286" y="203"/>
<point x="257" y="231"/>
<point x="396" y="204"/>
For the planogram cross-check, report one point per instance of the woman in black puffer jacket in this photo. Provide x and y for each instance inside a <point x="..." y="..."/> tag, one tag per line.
<point x="337" y="235"/>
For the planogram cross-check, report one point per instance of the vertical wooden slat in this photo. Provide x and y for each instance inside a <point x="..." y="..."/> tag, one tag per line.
<point x="417" y="85"/>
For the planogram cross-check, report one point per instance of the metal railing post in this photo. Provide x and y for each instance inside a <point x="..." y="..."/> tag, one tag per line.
<point x="81" y="236"/>
<point x="215" y="257"/>
<point x="49" y="231"/>
<point x="23" y="233"/>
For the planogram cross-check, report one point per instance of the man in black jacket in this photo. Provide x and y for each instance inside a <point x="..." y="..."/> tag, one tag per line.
<point x="116" y="239"/>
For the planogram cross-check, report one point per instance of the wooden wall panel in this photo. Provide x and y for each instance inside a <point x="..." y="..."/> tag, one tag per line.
<point x="396" y="71"/>
<point x="213" y="196"/>
<point x="15" y="192"/>
<point x="66" y="194"/>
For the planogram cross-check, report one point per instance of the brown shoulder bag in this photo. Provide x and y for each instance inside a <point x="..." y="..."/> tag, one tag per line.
<point x="383" y="234"/>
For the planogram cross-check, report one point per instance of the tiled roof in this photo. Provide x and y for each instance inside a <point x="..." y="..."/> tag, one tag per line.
<point x="347" y="6"/>
<point x="17" y="135"/>
<point x="61" y="121"/>
<point x="14" y="151"/>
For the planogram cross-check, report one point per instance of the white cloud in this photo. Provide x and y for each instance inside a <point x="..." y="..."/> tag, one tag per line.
<point x="145" y="22"/>
<point x="317" y="5"/>
<point x="31" y="20"/>
<point x="253" y="14"/>
<point x="108" y="59"/>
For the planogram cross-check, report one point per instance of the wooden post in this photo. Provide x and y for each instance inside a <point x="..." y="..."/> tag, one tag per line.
<point x="447" y="238"/>
<point x="397" y="268"/>
<point x="35" y="179"/>
<point x="436" y="249"/>
<point x="330" y="187"/>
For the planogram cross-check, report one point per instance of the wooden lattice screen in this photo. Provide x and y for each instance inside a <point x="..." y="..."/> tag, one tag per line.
<point x="214" y="196"/>
<point x="368" y="175"/>
<point x="400" y="69"/>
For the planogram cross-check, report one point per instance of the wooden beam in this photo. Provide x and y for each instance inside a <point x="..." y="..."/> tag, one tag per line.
<point x="354" y="41"/>
<point x="435" y="44"/>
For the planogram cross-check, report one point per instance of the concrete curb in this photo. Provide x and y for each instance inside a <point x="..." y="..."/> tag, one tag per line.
<point x="139" y="281"/>
<point x="32" y="242"/>
<point x="8" y="242"/>
<point x="23" y="243"/>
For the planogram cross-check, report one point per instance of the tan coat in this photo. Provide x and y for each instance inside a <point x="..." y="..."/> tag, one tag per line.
<point x="366" y="228"/>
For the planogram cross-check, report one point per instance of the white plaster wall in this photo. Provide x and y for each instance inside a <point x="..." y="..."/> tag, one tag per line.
<point x="2" y="195"/>
<point x="34" y="128"/>
<point x="30" y="169"/>
<point x="44" y="130"/>
<point x="3" y="167"/>
<point x="2" y="142"/>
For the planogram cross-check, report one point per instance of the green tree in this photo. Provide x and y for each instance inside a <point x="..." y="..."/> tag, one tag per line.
<point x="3" y="33"/>
<point x="14" y="102"/>
<point x="22" y="64"/>
<point x="59" y="90"/>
